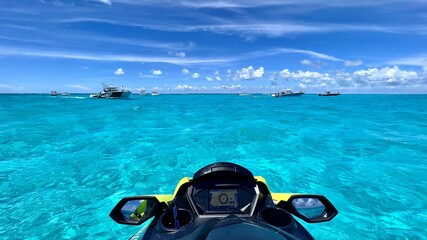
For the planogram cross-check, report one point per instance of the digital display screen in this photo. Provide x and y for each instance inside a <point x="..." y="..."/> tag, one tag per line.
<point x="223" y="200"/>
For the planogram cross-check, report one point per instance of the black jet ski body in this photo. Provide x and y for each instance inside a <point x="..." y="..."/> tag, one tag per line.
<point x="223" y="201"/>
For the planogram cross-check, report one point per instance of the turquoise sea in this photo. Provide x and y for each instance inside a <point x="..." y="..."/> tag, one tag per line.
<point x="66" y="161"/>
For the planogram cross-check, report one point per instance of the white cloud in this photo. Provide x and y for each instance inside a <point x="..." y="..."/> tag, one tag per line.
<point x="306" y="62"/>
<point x="186" y="87"/>
<point x="156" y="72"/>
<point x="228" y="87"/>
<point x="246" y="73"/>
<point x="209" y="79"/>
<point x="250" y="73"/>
<point x="185" y="71"/>
<point x="77" y="86"/>
<point x="372" y="78"/>
<point x="119" y="71"/>
<point x="385" y="76"/>
<point x="142" y="75"/>
<point x="218" y="78"/>
<point x="258" y="73"/>
<point x="195" y="75"/>
<point x="106" y="2"/>
<point x="177" y="54"/>
<point x="349" y="63"/>
<point x="180" y="54"/>
<point x="216" y="72"/>
<point x="313" y="64"/>
<point x="304" y="76"/>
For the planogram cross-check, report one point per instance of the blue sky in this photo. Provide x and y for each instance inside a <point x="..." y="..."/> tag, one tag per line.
<point x="182" y="46"/>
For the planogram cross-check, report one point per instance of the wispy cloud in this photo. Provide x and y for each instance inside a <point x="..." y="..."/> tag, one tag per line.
<point x="106" y="2"/>
<point x="113" y="58"/>
<point x="312" y="54"/>
<point x="177" y="54"/>
<point x="190" y="61"/>
<point x="257" y="28"/>
<point x="312" y="4"/>
<point x="349" y="63"/>
<point x="142" y="75"/>
<point x="420" y="60"/>
<point x="269" y="29"/>
<point x="278" y="51"/>
<point x="278" y="29"/>
<point x="313" y="64"/>
<point x="135" y="42"/>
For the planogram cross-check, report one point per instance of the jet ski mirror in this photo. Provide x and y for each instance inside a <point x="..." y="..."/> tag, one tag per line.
<point x="135" y="210"/>
<point x="311" y="208"/>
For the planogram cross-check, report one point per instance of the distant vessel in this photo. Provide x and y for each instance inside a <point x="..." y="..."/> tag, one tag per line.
<point x="328" y="93"/>
<point x="287" y="93"/>
<point x="143" y="93"/>
<point x="243" y="94"/>
<point x="111" y="91"/>
<point x="155" y="94"/>
<point x="65" y="94"/>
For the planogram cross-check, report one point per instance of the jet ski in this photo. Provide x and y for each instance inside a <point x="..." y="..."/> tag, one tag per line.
<point x="223" y="201"/>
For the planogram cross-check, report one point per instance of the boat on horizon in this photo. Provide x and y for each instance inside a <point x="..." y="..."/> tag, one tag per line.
<point x="111" y="91"/>
<point x="243" y="94"/>
<point x="155" y="94"/>
<point x="328" y="93"/>
<point x="287" y="93"/>
<point x="53" y="93"/>
<point x="143" y="93"/>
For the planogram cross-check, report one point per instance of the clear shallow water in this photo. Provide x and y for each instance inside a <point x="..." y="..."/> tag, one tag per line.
<point x="66" y="161"/>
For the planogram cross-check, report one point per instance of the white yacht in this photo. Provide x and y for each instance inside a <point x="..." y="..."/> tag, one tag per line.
<point x="111" y="91"/>
<point x="287" y="93"/>
<point x="329" y="93"/>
